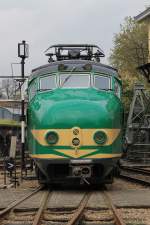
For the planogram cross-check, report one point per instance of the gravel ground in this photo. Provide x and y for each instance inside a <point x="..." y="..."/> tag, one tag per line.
<point x="136" y="216"/>
<point x="132" y="216"/>
<point x="129" y="216"/>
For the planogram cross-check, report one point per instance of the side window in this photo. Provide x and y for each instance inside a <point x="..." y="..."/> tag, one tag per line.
<point x="117" y="89"/>
<point x="47" y="83"/>
<point x="32" y="89"/>
<point x="102" y="82"/>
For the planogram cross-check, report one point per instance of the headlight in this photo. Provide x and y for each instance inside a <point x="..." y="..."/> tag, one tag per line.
<point x="76" y="141"/>
<point x="100" y="137"/>
<point x="87" y="67"/>
<point x="51" y="137"/>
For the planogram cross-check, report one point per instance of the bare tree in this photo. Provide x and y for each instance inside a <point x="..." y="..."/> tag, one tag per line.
<point x="10" y="89"/>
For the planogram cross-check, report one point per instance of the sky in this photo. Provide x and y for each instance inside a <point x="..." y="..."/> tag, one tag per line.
<point x="46" y="22"/>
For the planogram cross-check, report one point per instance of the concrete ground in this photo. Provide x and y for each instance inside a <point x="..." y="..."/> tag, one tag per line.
<point x="69" y="200"/>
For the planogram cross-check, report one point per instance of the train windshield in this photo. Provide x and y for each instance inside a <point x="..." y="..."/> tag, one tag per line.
<point x="47" y="83"/>
<point x="74" y="80"/>
<point x="102" y="82"/>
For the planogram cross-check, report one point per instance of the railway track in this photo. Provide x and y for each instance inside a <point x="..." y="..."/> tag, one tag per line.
<point x="136" y="175"/>
<point x="15" y="203"/>
<point x="135" y="179"/>
<point x="79" y="213"/>
<point x="117" y="216"/>
<point x="137" y="170"/>
<point x="74" y="218"/>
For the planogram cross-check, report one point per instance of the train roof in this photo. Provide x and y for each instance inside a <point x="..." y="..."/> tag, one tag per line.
<point x="69" y="64"/>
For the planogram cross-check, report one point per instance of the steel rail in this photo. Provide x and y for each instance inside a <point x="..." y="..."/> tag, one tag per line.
<point x="139" y="170"/>
<point x="79" y="212"/>
<point x="116" y="214"/>
<point x="134" y="179"/>
<point x="41" y="208"/>
<point x="15" y="203"/>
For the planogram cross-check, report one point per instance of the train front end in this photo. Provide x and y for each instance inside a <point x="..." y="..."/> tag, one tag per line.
<point x="74" y="121"/>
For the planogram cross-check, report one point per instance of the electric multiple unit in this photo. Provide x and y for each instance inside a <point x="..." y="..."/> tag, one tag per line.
<point x="74" y="116"/>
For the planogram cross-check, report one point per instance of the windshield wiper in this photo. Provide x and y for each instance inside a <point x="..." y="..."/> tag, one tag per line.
<point x="44" y="89"/>
<point x="68" y="77"/>
<point x="105" y="89"/>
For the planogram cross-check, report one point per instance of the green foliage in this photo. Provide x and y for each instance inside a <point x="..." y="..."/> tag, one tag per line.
<point x="130" y="50"/>
<point x="130" y="47"/>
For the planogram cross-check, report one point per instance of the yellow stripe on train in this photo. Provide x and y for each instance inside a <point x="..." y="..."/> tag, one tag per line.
<point x="66" y="136"/>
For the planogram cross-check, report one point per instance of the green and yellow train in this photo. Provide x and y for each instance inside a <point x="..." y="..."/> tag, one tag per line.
<point x="75" y="116"/>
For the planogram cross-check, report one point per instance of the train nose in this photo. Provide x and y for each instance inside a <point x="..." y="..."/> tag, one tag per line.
<point x="77" y="114"/>
<point x="75" y="108"/>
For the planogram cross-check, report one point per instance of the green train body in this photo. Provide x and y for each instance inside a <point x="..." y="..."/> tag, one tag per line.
<point x="74" y="121"/>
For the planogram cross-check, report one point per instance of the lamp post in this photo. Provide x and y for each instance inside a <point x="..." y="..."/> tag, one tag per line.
<point x="23" y="53"/>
